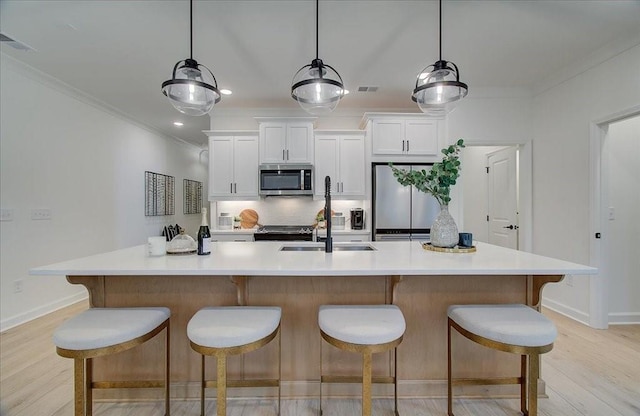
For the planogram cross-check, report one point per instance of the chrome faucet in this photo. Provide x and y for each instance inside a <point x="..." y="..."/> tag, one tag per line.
<point x="328" y="243"/>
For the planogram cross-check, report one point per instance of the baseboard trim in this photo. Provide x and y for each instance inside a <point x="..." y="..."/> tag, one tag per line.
<point x="25" y="317"/>
<point x="567" y="311"/>
<point x="624" y="318"/>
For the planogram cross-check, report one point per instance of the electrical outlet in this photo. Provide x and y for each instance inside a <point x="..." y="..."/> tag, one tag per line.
<point x="569" y="280"/>
<point x="41" y="214"/>
<point x="6" y="214"/>
<point x="18" y="286"/>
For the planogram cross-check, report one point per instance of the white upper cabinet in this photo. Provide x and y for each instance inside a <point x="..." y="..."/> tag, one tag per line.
<point x="403" y="134"/>
<point x="341" y="156"/>
<point x="233" y="165"/>
<point x="286" y="140"/>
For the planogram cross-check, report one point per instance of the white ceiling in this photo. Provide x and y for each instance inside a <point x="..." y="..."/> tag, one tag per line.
<point x="119" y="52"/>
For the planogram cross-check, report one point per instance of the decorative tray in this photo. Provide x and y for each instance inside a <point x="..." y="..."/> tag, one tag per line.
<point x="456" y="249"/>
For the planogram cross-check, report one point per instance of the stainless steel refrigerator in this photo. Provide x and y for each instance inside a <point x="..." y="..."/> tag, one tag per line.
<point x="400" y="212"/>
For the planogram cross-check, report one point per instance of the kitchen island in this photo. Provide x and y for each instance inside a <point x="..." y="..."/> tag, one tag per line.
<point x="422" y="283"/>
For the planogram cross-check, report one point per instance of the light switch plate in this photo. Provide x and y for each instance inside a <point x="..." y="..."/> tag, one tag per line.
<point x="6" y="214"/>
<point x="41" y="214"/>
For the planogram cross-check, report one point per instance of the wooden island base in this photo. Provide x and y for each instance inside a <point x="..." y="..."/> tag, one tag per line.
<point x="422" y="356"/>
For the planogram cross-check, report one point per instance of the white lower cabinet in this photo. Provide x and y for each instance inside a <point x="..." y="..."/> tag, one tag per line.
<point x="340" y="155"/>
<point x="345" y="236"/>
<point x="233" y="165"/>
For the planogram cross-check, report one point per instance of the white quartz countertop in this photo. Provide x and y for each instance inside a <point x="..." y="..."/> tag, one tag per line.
<point x="266" y="259"/>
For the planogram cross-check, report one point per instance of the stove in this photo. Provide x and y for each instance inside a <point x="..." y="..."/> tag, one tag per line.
<point x="284" y="233"/>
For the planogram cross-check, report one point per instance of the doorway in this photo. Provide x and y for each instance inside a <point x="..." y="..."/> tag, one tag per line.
<point x="615" y="202"/>
<point x="492" y="198"/>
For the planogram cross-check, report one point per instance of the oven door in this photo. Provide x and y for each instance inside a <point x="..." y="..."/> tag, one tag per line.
<point x="286" y="180"/>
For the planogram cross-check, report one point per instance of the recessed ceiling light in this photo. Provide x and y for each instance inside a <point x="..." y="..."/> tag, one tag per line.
<point x="178" y="123"/>
<point x="225" y="91"/>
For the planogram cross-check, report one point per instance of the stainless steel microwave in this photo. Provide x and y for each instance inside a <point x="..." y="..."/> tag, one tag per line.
<point x="283" y="180"/>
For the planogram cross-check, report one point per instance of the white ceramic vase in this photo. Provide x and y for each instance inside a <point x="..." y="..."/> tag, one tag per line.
<point x="444" y="231"/>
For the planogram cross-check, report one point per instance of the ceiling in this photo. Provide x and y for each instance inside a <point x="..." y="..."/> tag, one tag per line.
<point x="119" y="52"/>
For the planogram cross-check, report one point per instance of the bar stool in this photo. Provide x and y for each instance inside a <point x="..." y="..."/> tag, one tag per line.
<point x="103" y="331"/>
<point x="233" y="330"/>
<point x="514" y="328"/>
<point x="365" y="329"/>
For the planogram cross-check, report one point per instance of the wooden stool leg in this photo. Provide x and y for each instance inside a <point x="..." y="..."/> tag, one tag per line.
<point x="523" y="385"/>
<point x="222" y="385"/>
<point x="78" y="386"/>
<point x="202" y="384"/>
<point x="366" y="383"/>
<point x="534" y="371"/>
<point x="449" y="388"/>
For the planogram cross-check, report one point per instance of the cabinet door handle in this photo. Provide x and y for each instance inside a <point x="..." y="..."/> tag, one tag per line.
<point x="403" y="145"/>
<point x="230" y="187"/>
<point x="287" y="154"/>
<point x="283" y="155"/>
<point x="407" y="145"/>
<point x="235" y="188"/>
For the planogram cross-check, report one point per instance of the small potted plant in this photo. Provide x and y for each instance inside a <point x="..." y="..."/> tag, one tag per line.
<point x="437" y="182"/>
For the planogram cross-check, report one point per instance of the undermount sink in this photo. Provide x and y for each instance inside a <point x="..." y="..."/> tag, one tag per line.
<point x="359" y="247"/>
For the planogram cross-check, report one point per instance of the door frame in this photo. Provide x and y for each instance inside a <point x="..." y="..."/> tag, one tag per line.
<point x="599" y="195"/>
<point x="525" y="187"/>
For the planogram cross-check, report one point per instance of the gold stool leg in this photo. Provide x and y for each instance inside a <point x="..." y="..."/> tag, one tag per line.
<point x="523" y="385"/>
<point x="534" y="370"/>
<point x="321" y="376"/>
<point x="167" y="371"/>
<point x="202" y="384"/>
<point x="449" y="388"/>
<point x="279" y="370"/>
<point x="222" y="384"/>
<point x="366" y="383"/>
<point x="78" y="386"/>
<point x="88" y="392"/>
<point x="395" y="379"/>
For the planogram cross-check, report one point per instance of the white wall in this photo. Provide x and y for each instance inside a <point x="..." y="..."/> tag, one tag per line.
<point x="561" y="129"/>
<point x="624" y="228"/>
<point x="86" y="165"/>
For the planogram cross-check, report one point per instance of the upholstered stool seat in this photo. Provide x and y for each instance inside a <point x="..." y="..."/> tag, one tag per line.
<point x="511" y="328"/>
<point x="364" y="329"/>
<point x="103" y="331"/>
<point x="232" y="330"/>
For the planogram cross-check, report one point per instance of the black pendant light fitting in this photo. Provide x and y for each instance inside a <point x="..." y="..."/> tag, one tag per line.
<point x="192" y="89"/>
<point x="438" y="87"/>
<point x="317" y="87"/>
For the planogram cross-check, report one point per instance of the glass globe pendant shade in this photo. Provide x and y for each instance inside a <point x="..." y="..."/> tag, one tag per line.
<point x="317" y="87"/>
<point x="438" y="88"/>
<point x="193" y="89"/>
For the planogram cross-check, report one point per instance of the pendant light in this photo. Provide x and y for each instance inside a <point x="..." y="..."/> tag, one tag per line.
<point x="317" y="87"/>
<point x="192" y="89"/>
<point x="438" y="88"/>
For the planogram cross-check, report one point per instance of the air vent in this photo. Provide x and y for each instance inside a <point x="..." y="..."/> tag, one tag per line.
<point x="14" y="43"/>
<point x="367" y="89"/>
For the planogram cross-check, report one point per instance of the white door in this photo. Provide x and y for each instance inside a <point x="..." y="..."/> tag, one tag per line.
<point x="503" y="197"/>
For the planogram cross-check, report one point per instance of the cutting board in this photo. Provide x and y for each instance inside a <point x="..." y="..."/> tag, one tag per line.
<point x="249" y="218"/>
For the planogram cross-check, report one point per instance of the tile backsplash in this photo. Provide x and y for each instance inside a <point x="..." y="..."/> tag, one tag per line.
<point x="283" y="210"/>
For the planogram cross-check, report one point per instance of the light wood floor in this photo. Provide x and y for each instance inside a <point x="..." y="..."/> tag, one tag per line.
<point x="589" y="372"/>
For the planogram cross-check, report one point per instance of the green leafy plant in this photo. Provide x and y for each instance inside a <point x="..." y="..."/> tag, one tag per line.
<point x="439" y="179"/>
